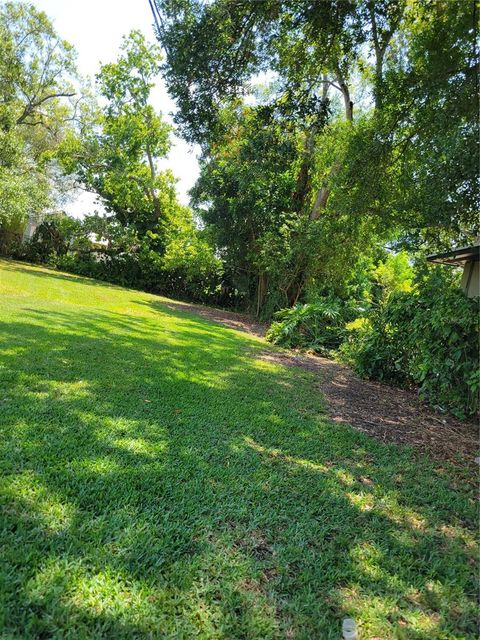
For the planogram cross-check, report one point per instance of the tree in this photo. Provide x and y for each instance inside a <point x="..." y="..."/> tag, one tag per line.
<point x="244" y="194"/>
<point x="382" y="98"/>
<point x="116" y="152"/>
<point x="433" y="106"/>
<point x="37" y="75"/>
<point x="36" y="66"/>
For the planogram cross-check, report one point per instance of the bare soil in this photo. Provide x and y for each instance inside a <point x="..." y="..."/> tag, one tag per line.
<point x="387" y="413"/>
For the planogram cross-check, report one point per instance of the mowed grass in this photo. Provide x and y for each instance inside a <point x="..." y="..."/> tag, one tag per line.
<point x="160" y="479"/>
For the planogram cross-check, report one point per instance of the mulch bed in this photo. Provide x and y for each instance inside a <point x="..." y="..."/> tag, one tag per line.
<point x="386" y="413"/>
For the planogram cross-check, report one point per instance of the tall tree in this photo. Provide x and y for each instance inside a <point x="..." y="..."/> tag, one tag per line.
<point x="36" y="69"/>
<point x="383" y="99"/>
<point x="37" y="104"/>
<point x="117" y="150"/>
<point x="244" y="195"/>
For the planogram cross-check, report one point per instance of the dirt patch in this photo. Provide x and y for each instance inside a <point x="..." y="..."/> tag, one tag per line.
<point x="386" y="413"/>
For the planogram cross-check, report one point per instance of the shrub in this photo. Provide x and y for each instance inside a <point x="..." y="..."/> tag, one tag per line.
<point x="52" y="238"/>
<point x="178" y="262"/>
<point x="318" y="326"/>
<point x="427" y="338"/>
<point x="145" y="270"/>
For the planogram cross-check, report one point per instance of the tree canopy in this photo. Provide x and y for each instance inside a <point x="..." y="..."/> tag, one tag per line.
<point x="116" y="152"/>
<point x="38" y="99"/>
<point x="375" y="106"/>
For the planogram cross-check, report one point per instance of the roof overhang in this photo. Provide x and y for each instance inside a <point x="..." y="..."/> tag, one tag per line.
<point x="457" y="257"/>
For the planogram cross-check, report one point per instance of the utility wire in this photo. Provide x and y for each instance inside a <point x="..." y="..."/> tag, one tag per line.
<point x="157" y="18"/>
<point x="158" y="23"/>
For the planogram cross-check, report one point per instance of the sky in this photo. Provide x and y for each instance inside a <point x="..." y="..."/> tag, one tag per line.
<point x="95" y="28"/>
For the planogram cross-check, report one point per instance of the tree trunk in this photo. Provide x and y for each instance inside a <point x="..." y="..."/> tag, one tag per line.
<point x="323" y="193"/>
<point x="261" y="291"/>
<point x="152" y="193"/>
<point x="303" y="179"/>
<point x="345" y="93"/>
<point x="381" y="40"/>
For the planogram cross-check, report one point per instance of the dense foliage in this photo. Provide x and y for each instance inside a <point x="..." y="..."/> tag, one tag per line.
<point x="322" y="324"/>
<point x="365" y="134"/>
<point x="116" y="151"/>
<point x="102" y="248"/>
<point x="429" y="338"/>
<point x="412" y="331"/>
<point x="37" y="103"/>
<point x="318" y="326"/>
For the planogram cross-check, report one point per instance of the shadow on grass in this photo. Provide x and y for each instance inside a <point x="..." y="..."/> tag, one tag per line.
<point x="160" y="482"/>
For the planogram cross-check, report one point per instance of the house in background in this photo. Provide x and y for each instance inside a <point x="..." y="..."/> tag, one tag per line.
<point x="468" y="258"/>
<point x="33" y="221"/>
<point x="16" y="231"/>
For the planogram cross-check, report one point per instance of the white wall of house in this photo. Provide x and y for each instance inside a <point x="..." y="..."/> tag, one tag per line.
<point x="32" y="224"/>
<point x="471" y="278"/>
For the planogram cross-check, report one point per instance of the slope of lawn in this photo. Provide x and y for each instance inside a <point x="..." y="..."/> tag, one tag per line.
<point x="160" y="479"/>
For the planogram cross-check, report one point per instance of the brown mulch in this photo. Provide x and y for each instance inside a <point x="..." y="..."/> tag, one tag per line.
<point x="386" y="413"/>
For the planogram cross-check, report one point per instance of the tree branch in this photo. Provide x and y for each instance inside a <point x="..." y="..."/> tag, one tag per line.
<point x="32" y="105"/>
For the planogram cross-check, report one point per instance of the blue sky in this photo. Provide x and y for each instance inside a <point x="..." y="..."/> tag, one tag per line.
<point x="95" y="28"/>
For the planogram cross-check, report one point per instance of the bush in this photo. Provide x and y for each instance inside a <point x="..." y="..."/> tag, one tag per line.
<point x="318" y="326"/>
<point x="142" y="270"/>
<point x="427" y="338"/>
<point x="178" y="262"/>
<point x="52" y="238"/>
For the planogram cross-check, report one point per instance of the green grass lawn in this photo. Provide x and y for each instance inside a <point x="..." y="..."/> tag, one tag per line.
<point x="161" y="480"/>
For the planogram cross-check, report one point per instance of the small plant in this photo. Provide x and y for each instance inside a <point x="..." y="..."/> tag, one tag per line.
<point x="318" y="326"/>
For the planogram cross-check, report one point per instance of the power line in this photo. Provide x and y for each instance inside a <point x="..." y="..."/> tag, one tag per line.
<point x="155" y="16"/>
<point x="158" y="22"/>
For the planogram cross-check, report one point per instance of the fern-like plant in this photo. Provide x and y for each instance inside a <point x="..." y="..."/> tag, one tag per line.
<point x="317" y="326"/>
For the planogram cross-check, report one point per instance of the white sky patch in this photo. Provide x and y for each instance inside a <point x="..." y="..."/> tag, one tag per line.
<point x="95" y="28"/>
